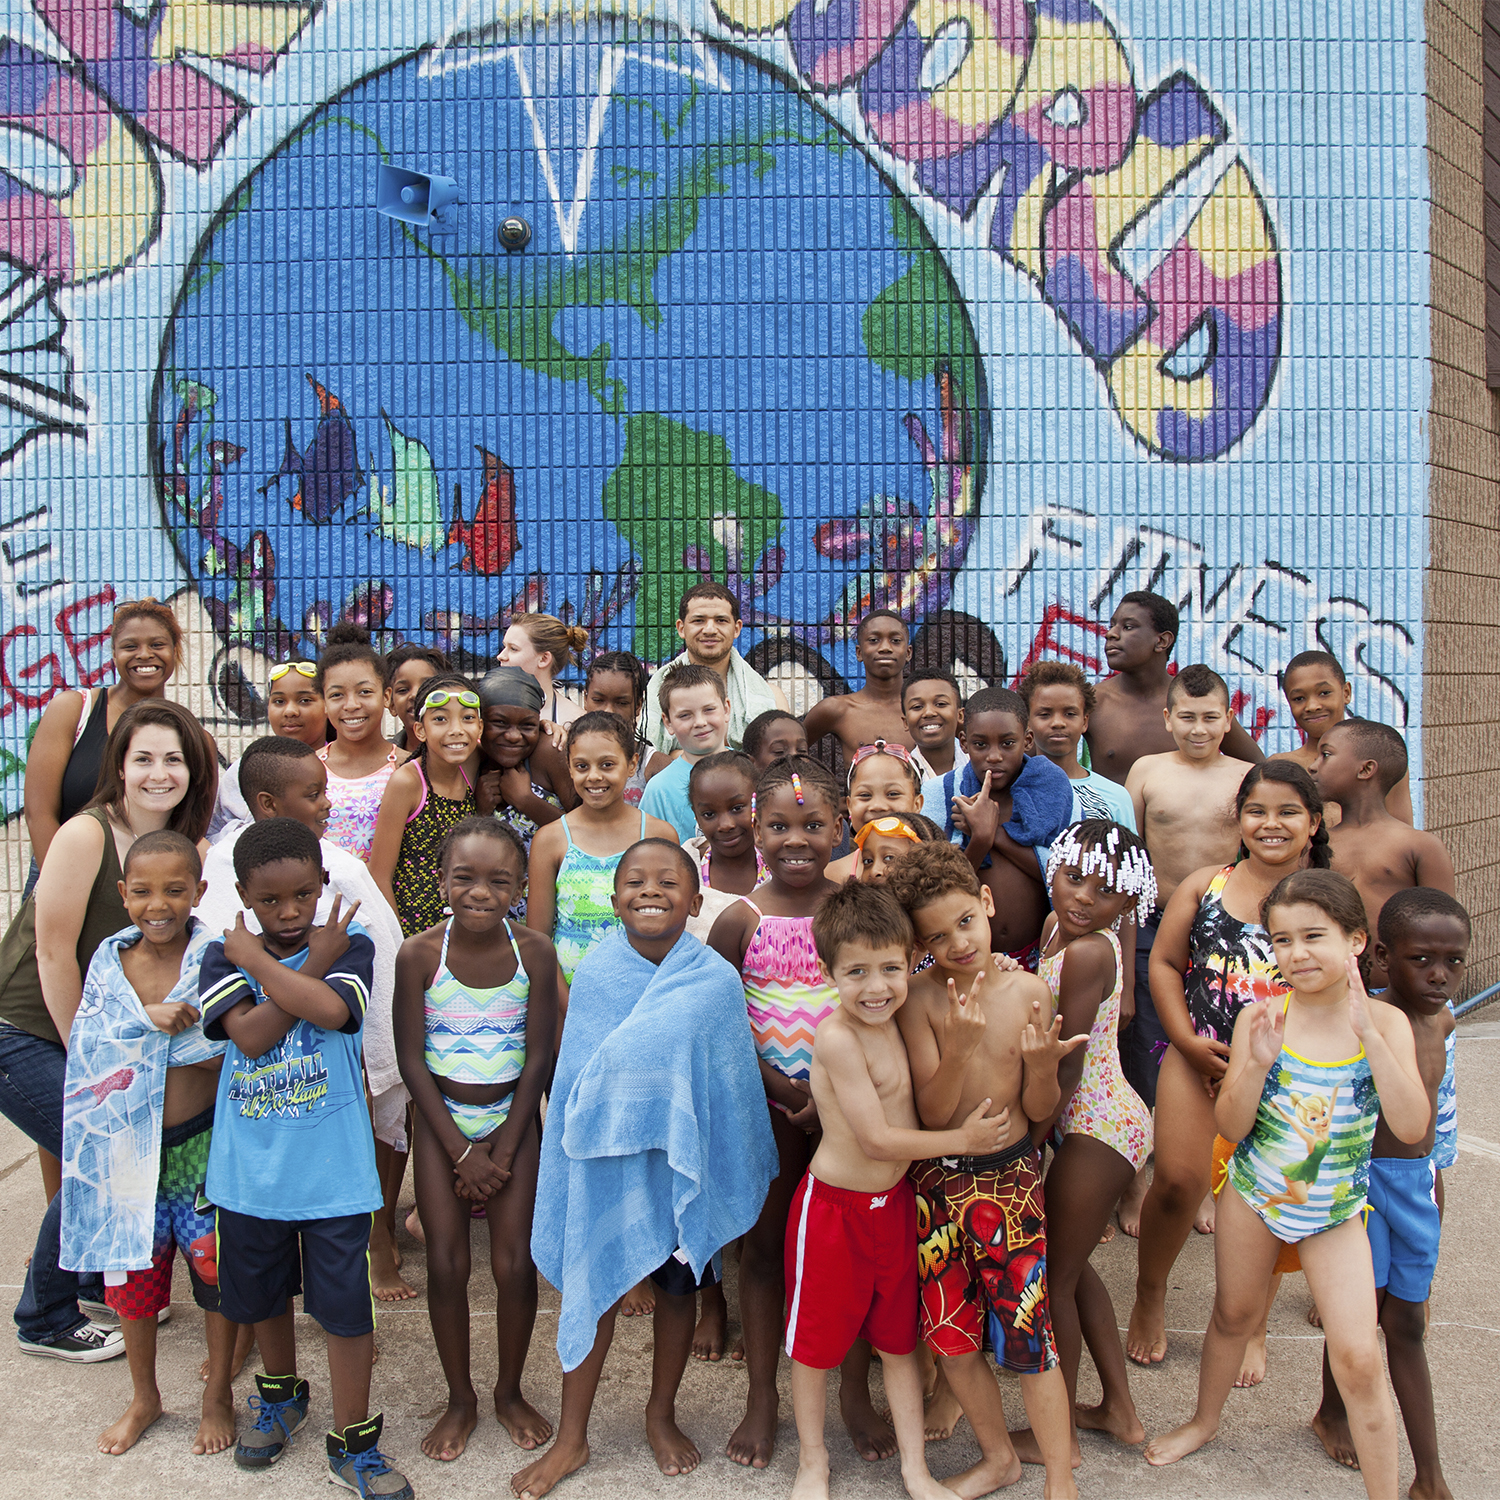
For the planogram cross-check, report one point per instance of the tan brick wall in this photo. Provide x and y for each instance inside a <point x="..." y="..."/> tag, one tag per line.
<point x="1462" y="756"/>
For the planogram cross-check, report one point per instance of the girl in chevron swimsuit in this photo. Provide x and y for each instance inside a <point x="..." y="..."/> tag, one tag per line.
<point x="797" y="818"/>
<point x="475" y="1024"/>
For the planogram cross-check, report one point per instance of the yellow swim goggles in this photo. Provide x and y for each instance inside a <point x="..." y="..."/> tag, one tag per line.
<point x="301" y="668"/>
<point x="443" y="697"/>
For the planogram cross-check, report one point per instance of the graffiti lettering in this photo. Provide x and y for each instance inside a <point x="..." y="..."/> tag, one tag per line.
<point x="1140" y="226"/>
<point x="33" y="683"/>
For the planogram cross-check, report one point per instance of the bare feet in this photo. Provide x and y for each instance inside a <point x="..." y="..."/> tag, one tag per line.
<point x="984" y="1477"/>
<point x="1124" y="1426"/>
<point x="450" y="1433"/>
<point x="1029" y="1451"/>
<point x="1253" y="1369"/>
<point x="216" y="1430"/>
<point x="1178" y="1443"/>
<point x="1146" y="1338"/>
<point x="386" y="1281"/>
<point x="812" y="1478"/>
<point x="1203" y="1220"/>
<point x="1337" y="1440"/>
<point x="754" y="1441"/>
<point x="414" y="1227"/>
<point x="1108" y="1235"/>
<point x="535" y="1480"/>
<point x="1314" y="1316"/>
<point x="126" y="1433"/>
<point x="925" y="1487"/>
<point x="676" y="1453"/>
<point x="942" y="1412"/>
<point x="640" y="1300"/>
<point x="871" y="1434"/>
<point x="738" y="1352"/>
<point x="1437" y="1490"/>
<point x="713" y="1320"/>
<point x="1129" y="1210"/>
<point x="527" y="1427"/>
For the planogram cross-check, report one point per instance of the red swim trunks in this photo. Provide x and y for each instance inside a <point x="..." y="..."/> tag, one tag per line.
<point x="982" y="1251"/>
<point x="851" y="1272"/>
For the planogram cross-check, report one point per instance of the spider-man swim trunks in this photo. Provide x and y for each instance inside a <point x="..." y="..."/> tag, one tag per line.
<point x="982" y="1252"/>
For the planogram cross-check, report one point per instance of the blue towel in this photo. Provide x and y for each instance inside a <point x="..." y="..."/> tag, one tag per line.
<point x="112" y="1108"/>
<point x="657" y="1134"/>
<point x="1041" y="803"/>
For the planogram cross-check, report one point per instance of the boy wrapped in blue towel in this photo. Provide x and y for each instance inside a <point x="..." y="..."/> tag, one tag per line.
<point x="657" y="1151"/>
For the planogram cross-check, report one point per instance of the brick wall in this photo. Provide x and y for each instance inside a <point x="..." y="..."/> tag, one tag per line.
<point x="1462" y="608"/>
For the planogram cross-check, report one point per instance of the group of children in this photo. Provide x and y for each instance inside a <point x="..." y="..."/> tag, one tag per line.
<point x="635" y="1011"/>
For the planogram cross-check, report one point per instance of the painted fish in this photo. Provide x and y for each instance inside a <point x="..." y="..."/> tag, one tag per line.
<point x="328" y="473"/>
<point x="491" y="540"/>
<point x="117" y="1081"/>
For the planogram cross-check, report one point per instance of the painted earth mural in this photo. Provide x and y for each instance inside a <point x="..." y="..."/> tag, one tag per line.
<point x="737" y="353"/>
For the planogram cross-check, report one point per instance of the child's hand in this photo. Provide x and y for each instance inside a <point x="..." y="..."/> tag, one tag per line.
<point x="328" y="943"/>
<point x="1043" y="1051"/>
<point x="979" y="811"/>
<point x="241" y="946"/>
<point x="171" y="1016"/>
<point x="487" y="793"/>
<point x="963" y="1021"/>
<point x="984" y="1135"/>
<point x="515" y="786"/>
<point x="478" y="1177"/>
<point x="802" y="1111"/>
<point x="1208" y="1057"/>
<point x="1361" y="1015"/>
<point x="1268" y="1027"/>
<point x="1003" y="963"/>
<point x="557" y="733"/>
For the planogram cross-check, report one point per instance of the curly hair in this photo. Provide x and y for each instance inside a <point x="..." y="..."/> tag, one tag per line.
<point x="346" y="643"/>
<point x="1405" y="909"/>
<point x="930" y="872"/>
<point x="1289" y="773"/>
<point x="857" y="913"/>
<point x="809" y="774"/>
<point x="1041" y="674"/>
<point x="1197" y="681"/>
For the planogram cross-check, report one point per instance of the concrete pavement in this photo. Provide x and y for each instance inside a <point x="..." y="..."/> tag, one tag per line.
<point x="1264" y="1450"/>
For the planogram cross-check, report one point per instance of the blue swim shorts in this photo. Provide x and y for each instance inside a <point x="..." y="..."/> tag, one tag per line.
<point x="1403" y="1225"/>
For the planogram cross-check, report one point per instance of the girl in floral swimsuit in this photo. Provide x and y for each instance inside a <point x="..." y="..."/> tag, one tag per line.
<point x="1097" y="872"/>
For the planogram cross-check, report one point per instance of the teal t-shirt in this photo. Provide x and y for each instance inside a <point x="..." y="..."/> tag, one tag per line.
<point x="666" y="797"/>
<point x="1097" y="796"/>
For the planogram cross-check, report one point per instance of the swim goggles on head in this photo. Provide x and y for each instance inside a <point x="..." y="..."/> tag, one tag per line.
<point x="881" y="747"/>
<point x="889" y="828"/>
<point x="443" y="696"/>
<point x="301" y="668"/>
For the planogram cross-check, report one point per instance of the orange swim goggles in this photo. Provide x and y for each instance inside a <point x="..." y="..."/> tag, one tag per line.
<point x="307" y="669"/>
<point x="889" y="828"/>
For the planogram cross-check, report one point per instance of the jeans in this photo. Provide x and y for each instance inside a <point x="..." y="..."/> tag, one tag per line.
<point x="31" y="1098"/>
<point x="1143" y="1043"/>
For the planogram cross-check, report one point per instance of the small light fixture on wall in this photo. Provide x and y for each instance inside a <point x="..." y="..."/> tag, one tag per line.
<point x="514" y="233"/>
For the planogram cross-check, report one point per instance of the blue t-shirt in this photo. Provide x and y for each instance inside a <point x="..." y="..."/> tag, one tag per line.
<point x="666" y="797"/>
<point x="292" y="1136"/>
<point x="1097" y="796"/>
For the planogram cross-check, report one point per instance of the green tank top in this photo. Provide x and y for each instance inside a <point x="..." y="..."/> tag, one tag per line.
<point x="21" y="1001"/>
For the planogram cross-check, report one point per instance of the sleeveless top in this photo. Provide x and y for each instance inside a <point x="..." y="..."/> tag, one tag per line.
<point x="525" y="829"/>
<point x="1104" y="1105"/>
<point x="583" y="913"/>
<point x="21" y="1001"/>
<point x="356" y="805"/>
<point x="785" y="992"/>
<point x="81" y="778"/>
<point x="1305" y="1166"/>
<point x="635" y="788"/>
<point x="475" y="1035"/>
<point x="414" y="882"/>
<point x="1230" y="965"/>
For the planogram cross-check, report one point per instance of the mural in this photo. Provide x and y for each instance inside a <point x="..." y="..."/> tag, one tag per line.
<point x="983" y="310"/>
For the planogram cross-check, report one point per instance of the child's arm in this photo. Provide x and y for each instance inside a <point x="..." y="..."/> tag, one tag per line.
<point x="1135" y="786"/>
<point x="550" y="766"/>
<point x="1170" y="954"/>
<point x="656" y="829"/>
<point x="1022" y="856"/>
<point x="547" y="850"/>
<point x="1127" y="937"/>
<point x="849" y="1073"/>
<point x="1051" y="1066"/>
<point x="540" y="960"/>
<point x="1239" y="745"/>
<point x="1257" y="1044"/>
<point x="940" y="1055"/>
<point x="1386" y="1035"/>
<point x="402" y="793"/>
<point x="1434" y="867"/>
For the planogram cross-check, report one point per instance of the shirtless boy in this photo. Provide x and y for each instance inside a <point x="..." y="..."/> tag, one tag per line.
<point x="1359" y="763"/>
<point x="977" y="1035"/>
<point x="851" y="1237"/>
<point x="1126" y="723"/>
<point x="873" y="712"/>
<point x="1003" y="836"/>
<point x="1318" y="694"/>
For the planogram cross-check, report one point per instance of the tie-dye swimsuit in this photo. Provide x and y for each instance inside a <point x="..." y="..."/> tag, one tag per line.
<point x="1305" y="1166"/>
<point x="1230" y="965"/>
<point x="785" y="992"/>
<point x="583" y="913"/>
<point x="476" y="1036"/>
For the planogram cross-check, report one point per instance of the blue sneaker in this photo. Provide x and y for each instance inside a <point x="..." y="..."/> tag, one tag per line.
<point x="280" y="1409"/>
<point x="356" y="1462"/>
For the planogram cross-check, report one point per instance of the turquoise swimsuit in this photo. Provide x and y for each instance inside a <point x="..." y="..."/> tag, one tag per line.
<point x="1305" y="1166"/>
